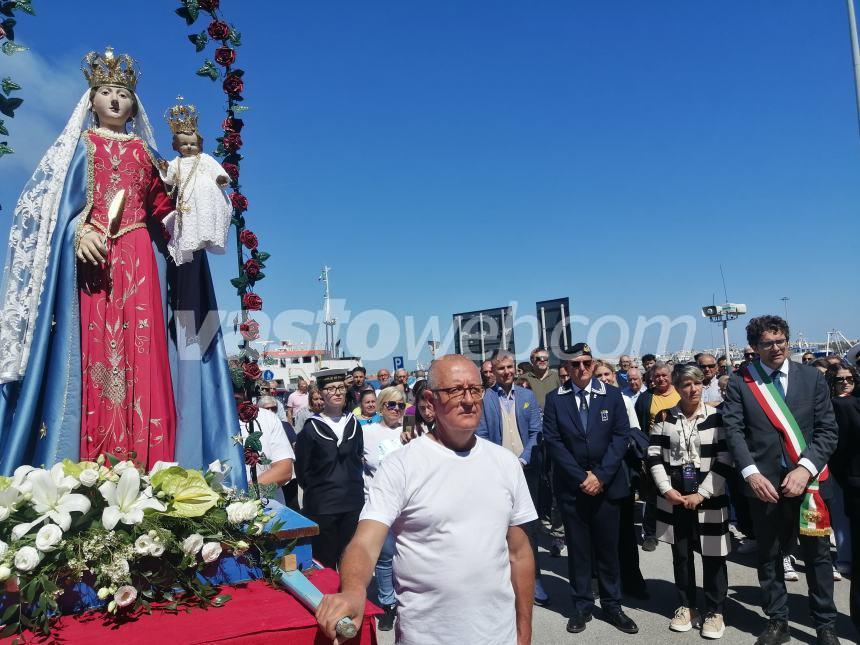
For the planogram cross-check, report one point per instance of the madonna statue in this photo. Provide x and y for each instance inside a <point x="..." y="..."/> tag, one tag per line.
<point x="105" y="344"/>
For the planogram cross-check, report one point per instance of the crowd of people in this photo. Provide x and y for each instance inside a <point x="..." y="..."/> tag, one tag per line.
<point x="441" y="491"/>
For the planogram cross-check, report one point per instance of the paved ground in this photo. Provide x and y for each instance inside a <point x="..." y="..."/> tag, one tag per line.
<point x="743" y="617"/>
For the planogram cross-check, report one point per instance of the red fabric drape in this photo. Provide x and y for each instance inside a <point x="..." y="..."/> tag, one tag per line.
<point x="256" y="613"/>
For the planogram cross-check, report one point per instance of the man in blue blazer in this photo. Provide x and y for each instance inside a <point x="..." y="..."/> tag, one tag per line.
<point x="512" y="418"/>
<point x="586" y="430"/>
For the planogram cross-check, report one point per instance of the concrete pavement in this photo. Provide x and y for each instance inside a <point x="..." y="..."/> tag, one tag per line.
<point x="744" y="619"/>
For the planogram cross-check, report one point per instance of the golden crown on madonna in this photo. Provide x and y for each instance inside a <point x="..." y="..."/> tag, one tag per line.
<point x="109" y="69"/>
<point x="181" y="118"/>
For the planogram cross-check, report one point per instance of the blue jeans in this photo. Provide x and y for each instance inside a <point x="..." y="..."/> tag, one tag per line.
<point x="384" y="573"/>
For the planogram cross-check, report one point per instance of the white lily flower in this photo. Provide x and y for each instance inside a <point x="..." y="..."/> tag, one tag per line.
<point x="162" y="465"/>
<point x="126" y="502"/>
<point x="53" y="500"/>
<point x="19" y="478"/>
<point x="62" y="479"/>
<point x="9" y="499"/>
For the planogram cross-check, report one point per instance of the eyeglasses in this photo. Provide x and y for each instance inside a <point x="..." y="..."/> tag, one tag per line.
<point x="773" y="344"/>
<point x="391" y="406"/>
<point x="707" y="366"/>
<point x="458" y="393"/>
<point x="541" y="359"/>
<point x="749" y="354"/>
<point x="337" y="389"/>
<point x="581" y="365"/>
<point x="844" y="379"/>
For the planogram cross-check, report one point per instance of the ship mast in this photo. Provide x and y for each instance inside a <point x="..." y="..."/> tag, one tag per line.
<point x="328" y="321"/>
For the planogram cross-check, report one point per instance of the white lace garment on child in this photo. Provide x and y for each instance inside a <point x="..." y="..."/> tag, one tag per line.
<point x="203" y="211"/>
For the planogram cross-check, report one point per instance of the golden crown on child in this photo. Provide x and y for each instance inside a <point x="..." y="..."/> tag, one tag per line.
<point x="109" y="69"/>
<point x="181" y="118"/>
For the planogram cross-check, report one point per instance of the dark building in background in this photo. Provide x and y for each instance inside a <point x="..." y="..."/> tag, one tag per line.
<point x="477" y="334"/>
<point x="553" y="317"/>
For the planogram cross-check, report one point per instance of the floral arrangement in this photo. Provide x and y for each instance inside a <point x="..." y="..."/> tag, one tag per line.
<point x="222" y="66"/>
<point x="137" y="538"/>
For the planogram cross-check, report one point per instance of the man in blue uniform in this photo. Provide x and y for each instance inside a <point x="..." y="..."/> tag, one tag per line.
<point x="586" y="430"/>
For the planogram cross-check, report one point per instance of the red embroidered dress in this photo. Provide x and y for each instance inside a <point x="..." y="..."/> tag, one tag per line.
<point x="127" y="394"/>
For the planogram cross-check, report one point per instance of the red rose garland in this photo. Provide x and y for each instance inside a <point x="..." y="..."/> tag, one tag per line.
<point x="227" y="39"/>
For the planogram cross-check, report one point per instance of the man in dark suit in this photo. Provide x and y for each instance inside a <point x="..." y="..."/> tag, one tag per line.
<point x="778" y="470"/>
<point x="586" y="430"/>
<point x="512" y="419"/>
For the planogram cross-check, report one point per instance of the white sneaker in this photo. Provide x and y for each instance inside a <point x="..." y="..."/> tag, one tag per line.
<point x="836" y="575"/>
<point x="682" y="621"/>
<point x="747" y="546"/>
<point x="714" y="627"/>
<point x="789" y="573"/>
<point x="733" y="529"/>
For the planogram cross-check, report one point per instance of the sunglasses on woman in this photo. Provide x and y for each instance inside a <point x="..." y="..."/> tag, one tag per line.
<point x="395" y="405"/>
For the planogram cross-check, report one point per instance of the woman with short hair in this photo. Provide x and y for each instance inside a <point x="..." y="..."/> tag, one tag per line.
<point x="366" y="411"/>
<point x="689" y="461"/>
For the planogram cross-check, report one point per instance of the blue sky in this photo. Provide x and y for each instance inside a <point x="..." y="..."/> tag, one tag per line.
<point x="448" y="156"/>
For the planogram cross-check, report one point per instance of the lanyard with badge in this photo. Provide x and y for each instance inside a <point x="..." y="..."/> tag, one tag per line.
<point x="689" y="472"/>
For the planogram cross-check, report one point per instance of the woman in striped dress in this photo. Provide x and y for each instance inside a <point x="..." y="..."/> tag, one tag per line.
<point x="689" y="461"/>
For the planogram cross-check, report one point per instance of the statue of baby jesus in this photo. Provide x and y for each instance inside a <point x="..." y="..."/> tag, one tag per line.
<point x="196" y="182"/>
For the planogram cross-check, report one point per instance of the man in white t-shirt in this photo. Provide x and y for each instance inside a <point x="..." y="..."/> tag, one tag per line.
<point x="276" y="448"/>
<point x="456" y="505"/>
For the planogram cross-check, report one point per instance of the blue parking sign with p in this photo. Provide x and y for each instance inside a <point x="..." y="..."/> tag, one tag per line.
<point x="398" y="362"/>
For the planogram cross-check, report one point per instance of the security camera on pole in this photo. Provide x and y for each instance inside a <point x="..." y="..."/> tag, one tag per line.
<point x="724" y="313"/>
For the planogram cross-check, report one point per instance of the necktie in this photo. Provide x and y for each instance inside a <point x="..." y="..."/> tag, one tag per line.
<point x="583" y="410"/>
<point x="776" y="377"/>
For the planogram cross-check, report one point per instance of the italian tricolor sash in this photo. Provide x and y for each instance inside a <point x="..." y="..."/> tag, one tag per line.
<point x="814" y="516"/>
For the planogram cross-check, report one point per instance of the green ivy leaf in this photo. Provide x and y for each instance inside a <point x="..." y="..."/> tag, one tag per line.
<point x="9" y="86"/>
<point x="253" y="442"/>
<point x="239" y="282"/>
<point x="199" y="40"/>
<point x="208" y="69"/>
<point x="9" y="28"/>
<point x="235" y="38"/>
<point x="7" y="8"/>
<point x="9" y="48"/>
<point x="238" y="72"/>
<point x="193" y="9"/>
<point x="4" y="132"/>
<point x="26" y="6"/>
<point x="238" y="109"/>
<point x="8" y="106"/>
<point x="263" y="256"/>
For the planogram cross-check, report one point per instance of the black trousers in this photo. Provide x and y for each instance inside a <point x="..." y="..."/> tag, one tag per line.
<point x="715" y="574"/>
<point x="336" y="530"/>
<point x="591" y="526"/>
<point x="533" y="480"/>
<point x="740" y="502"/>
<point x="628" y="546"/>
<point x="291" y="495"/>
<point x="776" y="528"/>
<point x="852" y="509"/>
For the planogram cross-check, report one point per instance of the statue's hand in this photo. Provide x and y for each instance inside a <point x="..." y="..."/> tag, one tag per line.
<point x="92" y="248"/>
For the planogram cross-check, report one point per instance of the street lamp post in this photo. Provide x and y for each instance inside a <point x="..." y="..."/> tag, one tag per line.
<point x="723" y="314"/>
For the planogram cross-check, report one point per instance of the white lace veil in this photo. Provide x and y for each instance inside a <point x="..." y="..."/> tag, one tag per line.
<point x="30" y="239"/>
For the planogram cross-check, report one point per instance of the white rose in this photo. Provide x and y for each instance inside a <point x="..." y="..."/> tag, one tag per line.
<point x="122" y="466"/>
<point x="5" y="572"/>
<point x="240" y="548"/>
<point x="125" y="595"/>
<point x="3" y="548"/>
<point x="89" y="477"/>
<point x="27" y="558"/>
<point x="143" y="545"/>
<point x="235" y="513"/>
<point x="211" y="551"/>
<point x="48" y="537"/>
<point x="250" y="510"/>
<point x="192" y="544"/>
<point x="103" y="593"/>
<point x="157" y="549"/>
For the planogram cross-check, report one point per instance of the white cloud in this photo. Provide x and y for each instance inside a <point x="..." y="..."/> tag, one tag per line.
<point x="50" y="90"/>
